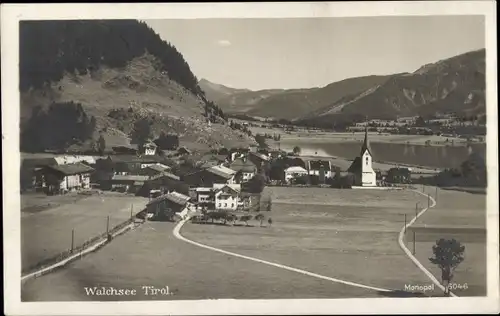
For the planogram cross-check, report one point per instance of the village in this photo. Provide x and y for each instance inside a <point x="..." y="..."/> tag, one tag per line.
<point x="182" y="183"/>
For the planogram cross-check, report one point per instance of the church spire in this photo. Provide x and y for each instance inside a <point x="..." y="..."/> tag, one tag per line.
<point x="366" y="144"/>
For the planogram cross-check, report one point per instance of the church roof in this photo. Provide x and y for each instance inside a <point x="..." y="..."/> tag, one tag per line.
<point x="366" y="145"/>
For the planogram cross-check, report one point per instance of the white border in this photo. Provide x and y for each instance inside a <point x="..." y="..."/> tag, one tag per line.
<point x="12" y="13"/>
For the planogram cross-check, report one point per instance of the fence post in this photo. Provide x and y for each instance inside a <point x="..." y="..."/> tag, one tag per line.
<point x="436" y="195"/>
<point x="131" y="210"/>
<point x="107" y="227"/>
<point x="72" y="239"/>
<point x="414" y="250"/>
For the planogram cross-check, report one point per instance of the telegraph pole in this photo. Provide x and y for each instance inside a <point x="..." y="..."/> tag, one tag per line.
<point x="436" y="195"/>
<point x="131" y="211"/>
<point x="405" y="223"/>
<point x="416" y="209"/>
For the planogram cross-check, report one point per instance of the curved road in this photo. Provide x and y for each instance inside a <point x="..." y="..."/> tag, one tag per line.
<point x="178" y="235"/>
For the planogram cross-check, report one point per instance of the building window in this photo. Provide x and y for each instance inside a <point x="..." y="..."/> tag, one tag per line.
<point x="220" y="204"/>
<point x="225" y="204"/>
<point x="367" y="160"/>
<point x="232" y="204"/>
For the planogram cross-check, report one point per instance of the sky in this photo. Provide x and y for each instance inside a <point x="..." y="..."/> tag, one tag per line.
<point x="313" y="52"/>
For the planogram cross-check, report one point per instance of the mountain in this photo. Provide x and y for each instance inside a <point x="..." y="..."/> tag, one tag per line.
<point x="234" y="100"/>
<point x="111" y="74"/>
<point x="285" y="103"/>
<point x="454" y="85"/>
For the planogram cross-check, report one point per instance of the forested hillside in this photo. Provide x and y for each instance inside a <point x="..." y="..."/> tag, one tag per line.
<point x="98" y="66"/>
<point x="48" y="49"/>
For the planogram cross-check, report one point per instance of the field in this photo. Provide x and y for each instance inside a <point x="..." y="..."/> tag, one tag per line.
<point x="151" y="256"/>
<point x="461" y="216"/>
<point x="48" y="232"/>
<point x="345" y="234"/>
<point x="351" y="235"/>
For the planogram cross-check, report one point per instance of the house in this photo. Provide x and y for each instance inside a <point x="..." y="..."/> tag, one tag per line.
<point x="361" y="168"/>
<point x="127" y="164"/>
<point x="58" y="179"/>
<point x="320" y="168"/>
<point x="167" y="206"/>
<point x="258" y="159"/>
<point x="149" y="149"/>
<point x="227" y="196"/>
<point x="208" y="176"/>
<point x="153" y="170"/>
<point x="125" y="183"/>
<point x="124" y="150"/>
<point x="183" y="151"/>
<point x="245" y="169"/>
<point x="294" y="172"/>
<point x="205" y="197"/>
<point x="398" y="175"/>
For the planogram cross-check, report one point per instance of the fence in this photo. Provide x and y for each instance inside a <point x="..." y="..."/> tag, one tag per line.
<point x="68" y="253"/>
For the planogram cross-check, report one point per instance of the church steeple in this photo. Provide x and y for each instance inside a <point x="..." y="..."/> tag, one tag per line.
<point x="366" y="144"/>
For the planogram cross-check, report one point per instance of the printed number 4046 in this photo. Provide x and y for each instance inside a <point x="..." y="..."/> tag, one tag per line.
<point x="457" y="286"/>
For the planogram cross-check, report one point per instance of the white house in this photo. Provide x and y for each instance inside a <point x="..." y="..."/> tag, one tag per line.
<point x="361" y="167"/>
<point x="294" y="172"/>
<point x="227" y="197"/>
<point x="150" y="149"/>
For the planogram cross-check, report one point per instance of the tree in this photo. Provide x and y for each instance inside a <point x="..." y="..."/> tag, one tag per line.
<point x="256" y="184"/>
<point x="141" y="132"/>
<point x="296" y="150"/>
<point x="270" y="221"/>
<point x="245" y="219"/>
<point x="260" y="217"/>
<point x="101" y="145"/>
<point x="447" y="255"/>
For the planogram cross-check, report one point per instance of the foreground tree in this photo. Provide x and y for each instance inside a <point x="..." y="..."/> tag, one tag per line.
<point x="447" y="255"/>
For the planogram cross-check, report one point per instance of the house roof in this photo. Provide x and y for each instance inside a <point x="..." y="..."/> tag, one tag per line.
<point x="158" y="167"/>
<point x="260" y="156"/>
<point x="71" y="169"/>
<point x="175" y="197"/>
<point x="150" y="144"/>
<point x="316" y="165"/>
<point x="242" y="165"/>
<point x="68" y="159"/>
<point x="166" y="174"/>
<point x="203" y="189"/>
<point x="129" y="177"/>
<point x="221" y="171"/>
<point x="234" y="188"/>
<point x="355" y="166"/>
<point x="296" y="169"/>
<point x="135" y="159"/>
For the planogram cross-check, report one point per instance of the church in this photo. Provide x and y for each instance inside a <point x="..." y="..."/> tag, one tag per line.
<point x="361" y="168"/>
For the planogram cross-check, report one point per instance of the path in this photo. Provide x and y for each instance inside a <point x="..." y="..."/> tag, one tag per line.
<point x="408" y="252"/>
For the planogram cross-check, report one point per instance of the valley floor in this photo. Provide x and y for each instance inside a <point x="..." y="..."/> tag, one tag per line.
<point x="342" y="234"/>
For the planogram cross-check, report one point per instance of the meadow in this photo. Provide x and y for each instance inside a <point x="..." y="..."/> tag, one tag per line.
<point x="45" y="234"/>
<point x="461" y="216"/>
<point x="347" y="234"/>
<point x="350" y="235"/>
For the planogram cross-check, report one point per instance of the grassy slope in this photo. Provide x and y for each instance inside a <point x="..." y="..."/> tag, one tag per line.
<point x="146" y="90"/>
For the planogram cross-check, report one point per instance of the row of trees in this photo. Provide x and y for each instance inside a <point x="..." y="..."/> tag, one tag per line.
<point x="57" y="127"/>
<point x="48" y="49"/>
